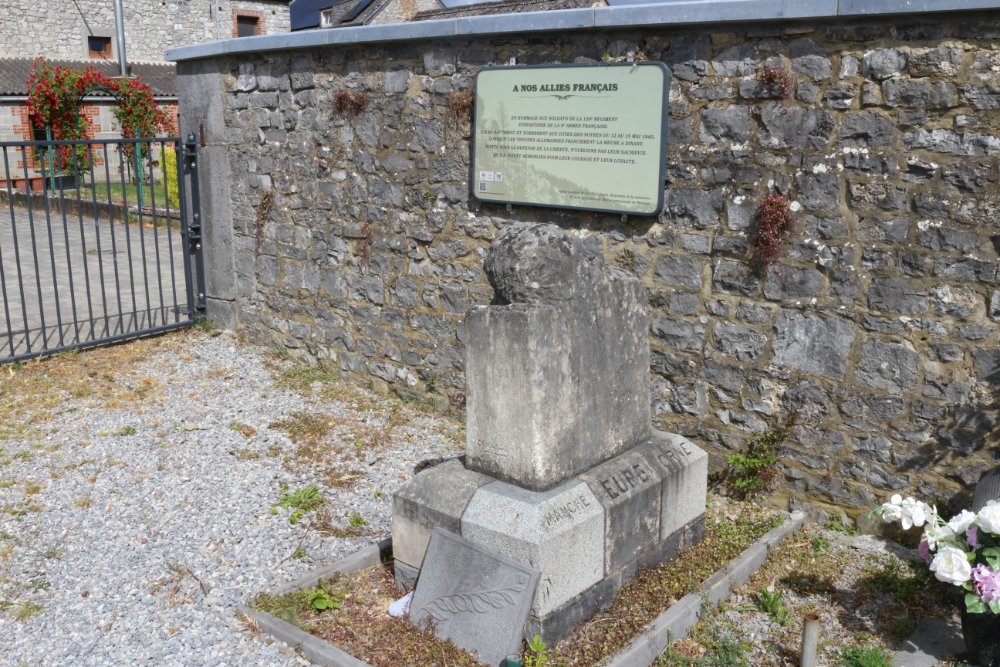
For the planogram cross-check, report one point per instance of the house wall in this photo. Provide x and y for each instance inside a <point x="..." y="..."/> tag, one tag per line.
<point x="59" y="29"/>
<point x="354" y="239"/>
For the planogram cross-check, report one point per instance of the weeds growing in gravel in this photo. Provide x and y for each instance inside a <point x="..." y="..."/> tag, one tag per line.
<point x="770" y="603"/>
<point x="300" y="501"/>
<point x="245" y="430"/>
<point x="33" y="392"/>
<point x="26" y="610"/>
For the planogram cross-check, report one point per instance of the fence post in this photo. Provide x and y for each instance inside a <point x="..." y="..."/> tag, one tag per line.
<point x="192" y="224"/>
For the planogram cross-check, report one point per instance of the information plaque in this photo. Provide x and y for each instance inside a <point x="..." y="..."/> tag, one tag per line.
<point x="574" y="136"/>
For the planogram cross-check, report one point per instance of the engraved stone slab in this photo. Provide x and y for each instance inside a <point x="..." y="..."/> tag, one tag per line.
<point x="683" y="467"/>
<point x="628" y="487"/>
<point x="435" y="497"/>
<point x="557" y="369"/>
<point x="475" y="598"/>
<point x="559" y="532"/>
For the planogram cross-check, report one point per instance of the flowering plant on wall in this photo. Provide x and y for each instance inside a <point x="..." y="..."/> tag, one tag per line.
<point x="963" y="551"/>
<point x="54" y="95"/>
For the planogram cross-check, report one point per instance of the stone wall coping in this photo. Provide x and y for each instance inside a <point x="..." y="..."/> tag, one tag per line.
<point x="670" y="13"/>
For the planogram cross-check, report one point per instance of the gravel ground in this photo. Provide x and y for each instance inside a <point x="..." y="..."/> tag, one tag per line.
<point x="131" y="529"/>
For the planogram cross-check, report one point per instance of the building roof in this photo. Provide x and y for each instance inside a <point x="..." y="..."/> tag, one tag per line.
<point x="306" y="13"/>
<point x="506" y="7"/>
<point x="161" y="77"/>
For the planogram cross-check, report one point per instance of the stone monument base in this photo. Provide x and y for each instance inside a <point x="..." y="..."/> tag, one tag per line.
<point x="587" y="536"/>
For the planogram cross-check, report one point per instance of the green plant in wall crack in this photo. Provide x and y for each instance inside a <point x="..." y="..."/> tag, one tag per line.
<point x="754" y="471"/>
<point x="773" y="220"/>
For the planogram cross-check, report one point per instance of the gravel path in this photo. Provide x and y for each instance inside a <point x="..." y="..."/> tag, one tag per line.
<point x="130" y="529"/>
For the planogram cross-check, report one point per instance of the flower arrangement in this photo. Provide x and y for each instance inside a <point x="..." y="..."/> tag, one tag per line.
<point x="54" y="95"/>
<point x="963" y="551"/>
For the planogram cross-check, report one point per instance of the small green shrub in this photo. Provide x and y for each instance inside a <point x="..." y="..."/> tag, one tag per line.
<point x="537" y="654"/>
<point x="864" y="656"/>
<point x="755" y="470"/>
<point x="772" y="605"/>
<point x="322" y="599"/>
<point x="170" y="174"/>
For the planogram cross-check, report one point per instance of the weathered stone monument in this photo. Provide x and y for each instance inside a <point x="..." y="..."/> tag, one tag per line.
<point x="563" y="471"/>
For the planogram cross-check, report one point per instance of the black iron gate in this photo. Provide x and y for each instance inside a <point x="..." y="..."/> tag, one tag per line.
<point x="101" y="242"/>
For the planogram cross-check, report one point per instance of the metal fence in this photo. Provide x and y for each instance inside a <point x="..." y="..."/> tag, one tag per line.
<point x="98" y="244"/>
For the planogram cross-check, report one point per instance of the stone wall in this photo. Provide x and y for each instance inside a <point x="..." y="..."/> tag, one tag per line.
<point x="59" y="29"/>
<point x="353" y="238"/>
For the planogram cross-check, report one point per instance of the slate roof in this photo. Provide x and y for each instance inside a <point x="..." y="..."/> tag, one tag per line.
<point x="506" y="7"/>
<point x="343" y="12"/>
<point x="161" y="77"/>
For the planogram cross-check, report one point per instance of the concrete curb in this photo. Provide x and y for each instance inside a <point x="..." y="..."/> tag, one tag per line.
<point x="678" y="620"/>
<point x="672" y="624"/>
<point x="373" y="554"/>
<point x="318" y="651"/>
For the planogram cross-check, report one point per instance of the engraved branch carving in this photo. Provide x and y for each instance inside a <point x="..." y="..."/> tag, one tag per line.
<point x="444" y="607"/>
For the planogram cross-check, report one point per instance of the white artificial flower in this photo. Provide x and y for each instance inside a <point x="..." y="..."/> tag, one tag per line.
<point x="915" y="513"/>
<point x="989" y="517"/>
<point x="961" y="522"/>
<point x="891" y="511"/>
<point x="951" y="565"/>
<point x="936" y="535"/>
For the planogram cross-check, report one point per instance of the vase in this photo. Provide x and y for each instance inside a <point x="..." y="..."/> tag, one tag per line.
<point x="982" y="638"/>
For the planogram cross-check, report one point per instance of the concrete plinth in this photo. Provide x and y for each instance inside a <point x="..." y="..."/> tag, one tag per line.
<point x="587" y="536"/>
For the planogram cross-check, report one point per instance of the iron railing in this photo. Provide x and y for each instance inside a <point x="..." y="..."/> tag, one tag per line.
<point x="96" y="247"/>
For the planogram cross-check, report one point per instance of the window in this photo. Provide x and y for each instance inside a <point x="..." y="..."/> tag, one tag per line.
<point x="99" y="47"/>
<point x="247" y="26"/>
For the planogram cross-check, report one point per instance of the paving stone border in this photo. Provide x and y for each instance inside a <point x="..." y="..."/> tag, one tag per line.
<point x="672" y="624"/>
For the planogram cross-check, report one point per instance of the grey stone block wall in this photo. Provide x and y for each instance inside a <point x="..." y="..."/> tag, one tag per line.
<point x="878" y="326"/>
<point x="58" y="30"/>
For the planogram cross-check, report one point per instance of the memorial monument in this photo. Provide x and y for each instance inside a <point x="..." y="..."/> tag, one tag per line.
<point x="563" y="471"/>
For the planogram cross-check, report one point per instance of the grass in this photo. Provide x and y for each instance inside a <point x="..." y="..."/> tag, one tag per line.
<point x="130" y="193"/>
<point x="864" y="656"/>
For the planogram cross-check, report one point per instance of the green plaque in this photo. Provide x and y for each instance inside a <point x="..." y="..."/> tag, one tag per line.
<point x="574" y="136"/>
